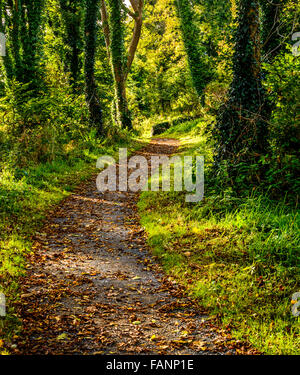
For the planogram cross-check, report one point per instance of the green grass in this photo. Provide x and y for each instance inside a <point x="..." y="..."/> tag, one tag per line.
<point x="26" y="196"/>
<point x="239" y="256"/>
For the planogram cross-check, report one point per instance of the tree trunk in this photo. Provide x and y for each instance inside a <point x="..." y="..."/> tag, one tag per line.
<point x="123" y="117"/>
<point x="113" y="28"/>
<point x="31" y="20"/>
<point x="200" y="72"/>
<point x="241" y="129"/>
<point x="71" y="16"/>
<point x="22" y="23"/>
<point x="92" y="98"/>
<point x="117" y="53"/>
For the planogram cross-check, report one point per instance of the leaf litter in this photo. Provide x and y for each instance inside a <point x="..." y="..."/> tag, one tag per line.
<point x="93" y="287"/>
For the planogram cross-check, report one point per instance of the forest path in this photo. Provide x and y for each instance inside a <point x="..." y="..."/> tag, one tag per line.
<point x="93" y="287"/>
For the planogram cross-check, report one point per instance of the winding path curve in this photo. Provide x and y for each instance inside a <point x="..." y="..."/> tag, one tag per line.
<point x="93" y="287"/>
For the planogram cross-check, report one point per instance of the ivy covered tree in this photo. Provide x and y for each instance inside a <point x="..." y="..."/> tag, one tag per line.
<point x="198" y="65"/>
<point x="114" y="13"/>
<point x="90" y="34"/>
<point x="72" y="15"/>
<point x="22" y="23"/>
<point x="7" y="59"/>
<point x="241" y="130"/>
<point x="117" y="55"/>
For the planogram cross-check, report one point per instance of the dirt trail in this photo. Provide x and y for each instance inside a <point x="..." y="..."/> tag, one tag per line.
<point x="93" y="287"/>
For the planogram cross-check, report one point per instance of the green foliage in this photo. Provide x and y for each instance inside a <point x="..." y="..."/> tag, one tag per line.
<point x="160" y="83"/>
<point x="42" y="128"/>
<point x="282" y="82"/>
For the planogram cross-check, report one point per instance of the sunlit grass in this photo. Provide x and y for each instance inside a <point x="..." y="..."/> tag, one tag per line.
<point x="24" y="202"/>
<point x="239" y="256"/>
<point x="26" y="196"/>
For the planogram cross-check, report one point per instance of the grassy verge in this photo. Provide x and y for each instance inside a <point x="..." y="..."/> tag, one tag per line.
<point x="26" y="196"/>
<point x="238" y="256"/>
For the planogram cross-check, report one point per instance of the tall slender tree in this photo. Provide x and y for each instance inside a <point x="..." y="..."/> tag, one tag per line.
<point x="30" y="34"/>
<point x="200" y="72"/>
<point x="23" y="28"/>
<point x="241" y="130"/>
<point x="113" y="14"/>
<point x="7" y="59"/>
<point x="92" y="97"/>
<point x="271" y="27"/>
<point x="72" y="13"/>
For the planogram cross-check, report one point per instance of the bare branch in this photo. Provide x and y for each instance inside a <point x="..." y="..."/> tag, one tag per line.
<point x="135" y="5"/>
<point x="128" y="11"/>
<point x="138" y="21"/>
